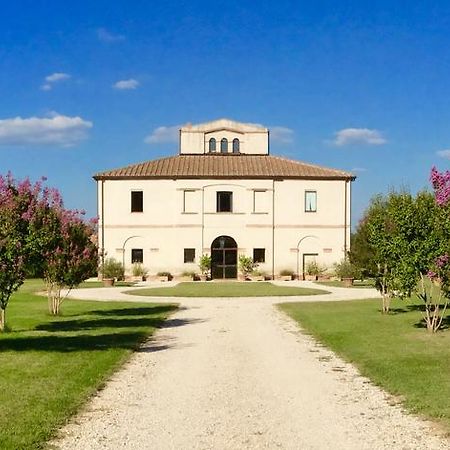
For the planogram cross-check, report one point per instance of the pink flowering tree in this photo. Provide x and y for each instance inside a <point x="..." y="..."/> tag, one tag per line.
<point x="19" y="201"/>
<point x="436" y="294"/>
<point x="68" y="250"/>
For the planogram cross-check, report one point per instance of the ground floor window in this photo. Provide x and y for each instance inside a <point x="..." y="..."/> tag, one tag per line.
<point x="189" y="255"/>
<point x="259" y="255"/>
<point x="137" y="255"/>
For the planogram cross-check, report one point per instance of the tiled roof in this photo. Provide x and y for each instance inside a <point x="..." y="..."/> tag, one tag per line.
<point x="223" y="166"/>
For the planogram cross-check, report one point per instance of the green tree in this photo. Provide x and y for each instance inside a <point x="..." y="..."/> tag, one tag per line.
<point x="406" y="235"/>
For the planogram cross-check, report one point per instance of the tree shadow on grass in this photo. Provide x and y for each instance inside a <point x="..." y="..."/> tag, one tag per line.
<point x="406" y="309"/>
<point x="81" y="342"/>
<point x="83" y="324"/>
<point x="444" y="326"/>
<point x="140" y="311"/>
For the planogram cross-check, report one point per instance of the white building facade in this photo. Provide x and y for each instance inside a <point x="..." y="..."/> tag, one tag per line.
<point x="224" y="195"/>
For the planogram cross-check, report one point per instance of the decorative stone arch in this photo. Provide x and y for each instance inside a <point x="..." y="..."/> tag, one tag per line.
<point x="308" y="248"/>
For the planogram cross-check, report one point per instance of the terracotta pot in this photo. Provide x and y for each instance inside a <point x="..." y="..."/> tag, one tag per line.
<point x="348" y="282"/>
<point x="108" y="282"/>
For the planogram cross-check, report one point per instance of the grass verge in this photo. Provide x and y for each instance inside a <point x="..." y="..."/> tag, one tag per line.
<point x="225" y="289"/>
<point x="356" y="283"/>
<point x="394" y="351"/>
<point x="49" y="366"/>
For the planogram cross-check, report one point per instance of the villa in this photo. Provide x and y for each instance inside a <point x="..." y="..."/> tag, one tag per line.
<point x="224" y="195"/>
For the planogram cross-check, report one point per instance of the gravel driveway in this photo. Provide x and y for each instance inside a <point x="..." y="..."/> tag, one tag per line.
<point x="238" y="374"/>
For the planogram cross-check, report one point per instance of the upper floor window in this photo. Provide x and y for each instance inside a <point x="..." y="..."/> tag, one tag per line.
<point x="189" y="204"/>
<point x="236" y="145"/>
<point x="224" y="145"/>
<point x="224" y="201"/>
<point x="137" y="201"/>
<point x="310" y="201"/>
<point x="260" y="201"/>
<point x="212" y="145"/>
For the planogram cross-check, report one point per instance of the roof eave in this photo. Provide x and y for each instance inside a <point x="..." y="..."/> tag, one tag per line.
<point x="99" y="177"/>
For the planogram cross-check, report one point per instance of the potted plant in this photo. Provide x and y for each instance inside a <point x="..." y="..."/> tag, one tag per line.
<point x="188" y="276"/>
<point x="312" y="271"/>
<point x="139" y="272"/>
<point x="246" y="266"/>
<point x="346" y="272"/>
<point x="286" y="275"/>
<point x="204" y="266"/>
<point x="164" y="276"/>
<point x="257" y="275"/>
<point x="112" y="270"/>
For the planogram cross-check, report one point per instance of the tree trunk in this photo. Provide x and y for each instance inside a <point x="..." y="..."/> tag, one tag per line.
<point x="2" y="319"/>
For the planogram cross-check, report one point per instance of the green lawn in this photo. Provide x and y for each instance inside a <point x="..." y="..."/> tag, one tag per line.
<point x="49" y="366"/>
<point x="394" y="351"/>
<point x="225" y="289"/>
<point x="356" y="283"/>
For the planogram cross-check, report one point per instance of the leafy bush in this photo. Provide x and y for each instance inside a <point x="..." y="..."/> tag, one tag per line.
<point x="246" y="265"/>
<point x="113" y="269"/>
<point x="205" y="264"/>
<point x="345" y="269"/>
<point x="189" y="273"/>
<point x="312" y="268"/>
<point x="165" y="274"/>
<point x="139" y="270"/>
<point x="286" y="273"/>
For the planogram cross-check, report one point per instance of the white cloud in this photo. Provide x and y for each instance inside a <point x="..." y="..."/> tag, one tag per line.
<point x="349" y="136"/>
<point x="106" y="36"/>
<point x="54" y="130"/>
<point x="163" y="134"/>
<point x="358" y="169"/>
<point x="281" y="134"/>
<point x="57" y="76"/>
<point x="53" y="78"/>
<point x="126" y="84"/>
<point x="444" y="154"/>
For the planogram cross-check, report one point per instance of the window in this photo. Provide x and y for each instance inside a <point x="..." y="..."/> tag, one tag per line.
<point x="137" y="255"/>
<point x="212" y="145"/>
<point x="189" y="255"/>
<point x="137" y="201"/>
<point x="236" y="145"/>
<point x="310" y="201"/>
<point x="260" y="201"/>
<point x="224" y="145"/>
<point x="224" y="201"/>
<point x="259" y="255"/>
<point x="189" y="205"/>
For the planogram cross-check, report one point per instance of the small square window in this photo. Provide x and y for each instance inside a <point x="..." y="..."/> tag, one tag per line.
<point x="259" y="255"/>
<point x="137" y="201"/>
<point x="137" y="255"/>
<point x="310" y="201"/>
<point x="189" y="255"/>
<point x="224" y="201"/>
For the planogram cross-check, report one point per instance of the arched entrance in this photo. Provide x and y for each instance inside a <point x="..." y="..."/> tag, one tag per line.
<point x="224" y="258"/>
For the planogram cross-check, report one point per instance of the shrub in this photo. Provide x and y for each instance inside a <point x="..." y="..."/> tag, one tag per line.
<point x="139" y="270"/>
<point x="313" y="268"/>
<point x="345" y="269"/>
<point x="113" y="269"/>
<point x="246" y="265"/>
<point x="189" y="273"/>
<point x="286" y="273"/>
<point x="205" y="264"/>
<point x="164" y="274"/>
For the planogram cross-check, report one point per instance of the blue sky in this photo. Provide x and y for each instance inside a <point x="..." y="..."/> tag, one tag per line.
<point x="89" y="86"/>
